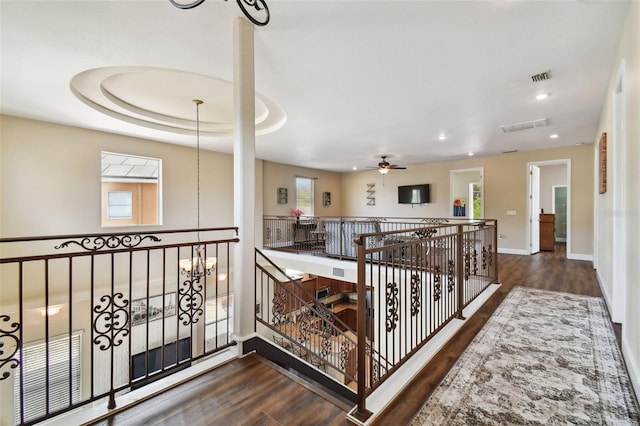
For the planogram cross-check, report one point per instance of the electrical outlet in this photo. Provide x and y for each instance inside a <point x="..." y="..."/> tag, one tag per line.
<point x="500" y="236"/>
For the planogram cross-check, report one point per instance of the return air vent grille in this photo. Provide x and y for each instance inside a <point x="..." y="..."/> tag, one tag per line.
<point x="525" y="125"/>
<point x="541" y="77"/>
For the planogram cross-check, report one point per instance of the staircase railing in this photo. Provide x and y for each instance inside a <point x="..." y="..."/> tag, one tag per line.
<point x="302" y="324"/>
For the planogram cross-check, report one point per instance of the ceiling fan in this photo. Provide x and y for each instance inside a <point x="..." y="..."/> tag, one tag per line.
<point x="384" y="166"/>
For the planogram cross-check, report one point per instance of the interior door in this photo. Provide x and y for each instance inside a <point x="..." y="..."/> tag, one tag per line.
<point x="534" y="211"/>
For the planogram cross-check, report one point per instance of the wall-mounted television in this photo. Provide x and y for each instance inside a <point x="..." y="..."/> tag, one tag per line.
<point x="413" y="194"/>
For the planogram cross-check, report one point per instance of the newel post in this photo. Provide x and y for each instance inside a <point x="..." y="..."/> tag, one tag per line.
<point x="361" y="413"/>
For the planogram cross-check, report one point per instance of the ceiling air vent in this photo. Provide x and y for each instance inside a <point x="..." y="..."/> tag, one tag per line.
<point x="541" y="77"/>
<point x="525" y="125"/>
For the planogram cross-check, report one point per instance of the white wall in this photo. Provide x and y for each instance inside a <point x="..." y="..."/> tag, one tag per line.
<point x="627" y="63"/>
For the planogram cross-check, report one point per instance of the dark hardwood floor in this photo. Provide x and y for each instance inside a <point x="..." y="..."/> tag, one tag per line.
<point x="252" y="391"/>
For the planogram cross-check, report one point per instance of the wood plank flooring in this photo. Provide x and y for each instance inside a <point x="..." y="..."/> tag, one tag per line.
<point x="252" y="391"/>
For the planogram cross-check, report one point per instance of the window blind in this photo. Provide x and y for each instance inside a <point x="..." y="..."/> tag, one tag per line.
<point x="64" y="377"/>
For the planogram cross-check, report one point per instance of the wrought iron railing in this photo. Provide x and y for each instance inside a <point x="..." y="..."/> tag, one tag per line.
<point x="304" y="325"/>
<point x="335" y="236"/>
<point x="88" y="317"/>
<point x="414" y="277"/>
<point x="416" y="281"/>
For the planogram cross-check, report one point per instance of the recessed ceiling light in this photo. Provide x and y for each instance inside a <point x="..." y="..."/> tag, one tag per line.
<point x="442" y="137"/>
<point x="554" y="136"/>
<point x="541" y="96"/>
<point x="470" y="154"/>
<point x="355" y="167"/>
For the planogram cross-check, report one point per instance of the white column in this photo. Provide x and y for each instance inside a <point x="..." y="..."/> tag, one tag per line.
<point x="244" y="176"/>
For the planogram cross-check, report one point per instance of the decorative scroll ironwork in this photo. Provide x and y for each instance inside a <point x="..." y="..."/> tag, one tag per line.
<point x="451" y="276"/>
<point x="392" y="306"/>
<point x="437" y="283"/>
<point x="471" y="254"/>
<point x="325" y="345"/>
<point x="267" y="233"/>
<point x="9" y="339"/>
<point x="416" y="291"/>
<point x="487" y="257"/>
<point x="467" y="266"/>
<point x="112" y="242"/>
<point x="475" y="261"/>
<point x="111" y="323"/>
<point x="373" y="241"/>
<point x="344" y="355"/>
<point x="425" y="233"/>
<point x="254" y="16"/>
<point x="435" y="220"/>
<point x="190" y="301"/>
<point x="279" y="299"/>
<point x="304" y="325"/>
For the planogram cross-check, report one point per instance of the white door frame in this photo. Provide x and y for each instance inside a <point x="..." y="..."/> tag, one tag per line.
<point x="473" y="169"/>
<point x="567" y="163"/>
<point x="619" y="225"/>
<point x="534" y="209"/>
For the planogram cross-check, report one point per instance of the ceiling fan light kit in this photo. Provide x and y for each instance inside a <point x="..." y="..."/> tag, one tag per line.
<point x="384" y="166"/>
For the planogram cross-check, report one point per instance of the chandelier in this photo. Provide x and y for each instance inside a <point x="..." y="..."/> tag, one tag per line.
<point x="255" y="10"/>
<point x="199" y="265"/>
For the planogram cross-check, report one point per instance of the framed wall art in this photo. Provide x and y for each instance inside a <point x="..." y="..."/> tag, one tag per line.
<point x="602" y="162"/>
<point x="326" y="198"/>
<point x="283" y="197"/>
<point x="141" y="313"/>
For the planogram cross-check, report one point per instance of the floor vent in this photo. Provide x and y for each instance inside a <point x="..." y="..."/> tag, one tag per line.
<point x="525" y="125"/>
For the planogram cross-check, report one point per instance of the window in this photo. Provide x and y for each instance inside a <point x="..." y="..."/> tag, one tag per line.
<point x="130" y="190"/>
<point x="304" y="195"/>
<point x="64" y="377"/>
<point x="119" y="204"/>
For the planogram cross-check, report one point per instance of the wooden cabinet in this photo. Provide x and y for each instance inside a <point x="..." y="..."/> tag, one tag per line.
<point x="547" y="232"/>
<point x="347" y="287"/>
<point x="349" y="317"/>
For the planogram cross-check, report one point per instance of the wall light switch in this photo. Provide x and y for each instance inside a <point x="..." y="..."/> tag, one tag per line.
<point x="511" y="212"/>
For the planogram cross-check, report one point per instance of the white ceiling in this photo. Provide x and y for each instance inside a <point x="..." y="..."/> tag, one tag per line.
<point x="356" y="79"/>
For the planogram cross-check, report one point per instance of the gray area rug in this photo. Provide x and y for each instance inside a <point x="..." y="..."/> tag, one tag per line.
<point x="543" y="358"/>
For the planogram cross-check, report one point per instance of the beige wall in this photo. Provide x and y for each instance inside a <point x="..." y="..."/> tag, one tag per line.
<point x="276" y="175"/>
<point x="51" y="180"/>
<point x="627" y="62"/>
<point x="505" y="188"/>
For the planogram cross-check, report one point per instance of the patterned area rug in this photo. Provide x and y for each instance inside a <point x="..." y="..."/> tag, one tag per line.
<point x="543" y="358"/>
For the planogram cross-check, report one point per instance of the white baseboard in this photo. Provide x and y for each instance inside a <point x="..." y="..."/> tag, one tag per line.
<point x="633" y="367"/>
<point x="513" y="251"/>
<point x="605" y="295"/>
<point x="578" y="256"/>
